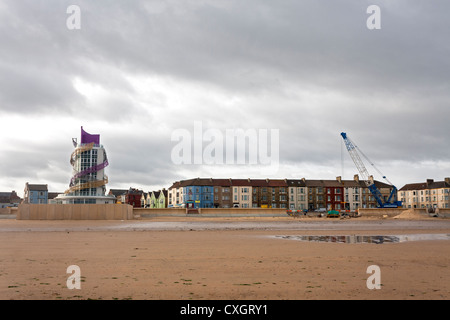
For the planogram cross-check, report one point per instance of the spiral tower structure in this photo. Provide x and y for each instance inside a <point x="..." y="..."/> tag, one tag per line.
<point x="88" y="182"/>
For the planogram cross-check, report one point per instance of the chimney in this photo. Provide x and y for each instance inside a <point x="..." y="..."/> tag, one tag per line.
<point x="356" y="178"/>
<point x="429" y="181"/>
<point x="267" y="180"/>
<point x="339" y="179"/>
<point x="447" y="180"/>
<point x="304" y="179"/>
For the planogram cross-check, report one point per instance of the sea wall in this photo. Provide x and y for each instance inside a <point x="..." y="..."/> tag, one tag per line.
<point x="211" y="212"/>
<point x="74" y="212"/>
<point x="392" y="212"/>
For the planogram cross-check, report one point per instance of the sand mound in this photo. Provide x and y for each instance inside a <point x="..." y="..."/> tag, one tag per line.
<point x="409" y="214"/>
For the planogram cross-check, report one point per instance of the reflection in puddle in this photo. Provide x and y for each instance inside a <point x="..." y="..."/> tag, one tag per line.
<point x="369" y="239"/>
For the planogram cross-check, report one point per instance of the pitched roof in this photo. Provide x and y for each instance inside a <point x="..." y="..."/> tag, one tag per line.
<point x="429" y="184"/>
<point x="53" y="195"/>
<point x="117" y="192"/>
<point x="37" y="187"/>
<point x="295" y="183"/>
<point x="274" y="183"/>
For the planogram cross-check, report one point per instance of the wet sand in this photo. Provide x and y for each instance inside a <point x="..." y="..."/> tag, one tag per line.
<point x="220" y="258"/>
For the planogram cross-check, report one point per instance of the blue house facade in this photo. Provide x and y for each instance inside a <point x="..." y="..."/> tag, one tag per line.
<point x="198" y="196"/>
<point x="36" y="193"/>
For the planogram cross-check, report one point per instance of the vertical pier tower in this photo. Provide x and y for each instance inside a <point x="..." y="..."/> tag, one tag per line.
<point x="88" y="182"/>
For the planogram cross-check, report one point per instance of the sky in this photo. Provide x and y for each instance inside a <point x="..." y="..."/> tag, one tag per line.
<point x="146" y="75"/>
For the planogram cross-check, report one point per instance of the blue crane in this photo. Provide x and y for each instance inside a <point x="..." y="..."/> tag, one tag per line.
<point x="391" y="202"/>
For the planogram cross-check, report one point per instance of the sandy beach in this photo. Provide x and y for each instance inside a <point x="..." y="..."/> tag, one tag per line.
<point x="220" y="258"/>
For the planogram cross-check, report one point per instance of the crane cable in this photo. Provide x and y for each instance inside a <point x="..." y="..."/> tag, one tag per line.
<point x="372" y="164"/>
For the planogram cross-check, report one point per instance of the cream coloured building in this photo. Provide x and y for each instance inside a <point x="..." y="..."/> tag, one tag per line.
<point x="429" y="194"/>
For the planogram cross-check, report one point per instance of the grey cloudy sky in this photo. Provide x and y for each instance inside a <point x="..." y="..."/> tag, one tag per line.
<point x="136" y="71"/>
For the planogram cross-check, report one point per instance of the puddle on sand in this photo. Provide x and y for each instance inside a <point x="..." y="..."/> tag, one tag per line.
<point x="377" y="239"/>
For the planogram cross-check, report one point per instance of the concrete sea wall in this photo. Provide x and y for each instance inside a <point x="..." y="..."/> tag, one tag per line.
<point x="211" y="212"/>
<point x="74" y="212"/>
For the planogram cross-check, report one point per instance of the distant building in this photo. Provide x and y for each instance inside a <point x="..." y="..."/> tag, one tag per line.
<point x="428" y="194"/>
<point x="119" y="194"/>
<point x="133" y="197"/>
<point x="301" y="194"/>
<point x="35" y="193"/>
<point x="154" y="199"/>
<point x="52" y="197"/>
<point x="9" y="199"/>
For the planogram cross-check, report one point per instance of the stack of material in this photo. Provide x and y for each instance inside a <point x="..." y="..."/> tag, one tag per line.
<point x="410" y="214"/>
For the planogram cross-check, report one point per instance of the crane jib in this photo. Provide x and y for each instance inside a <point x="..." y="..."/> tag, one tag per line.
<point x="391" y="202"/>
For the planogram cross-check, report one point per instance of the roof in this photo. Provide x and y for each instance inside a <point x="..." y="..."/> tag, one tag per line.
<point x="53" y="195"/>
<point x="117" y="192"/>
<point x="36" y="187"/>
<point x="9" y="197"/>
<point x="275" y="183"/>
<point x="429" y="184"/>
<point x="296" y="183"/>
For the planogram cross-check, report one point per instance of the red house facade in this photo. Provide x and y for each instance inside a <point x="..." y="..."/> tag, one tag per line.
<point x="133" y="197"/>
<point x="334" y="198"/>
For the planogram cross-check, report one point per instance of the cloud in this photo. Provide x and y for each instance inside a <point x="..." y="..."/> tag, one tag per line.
<point x="135" y="72"/>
